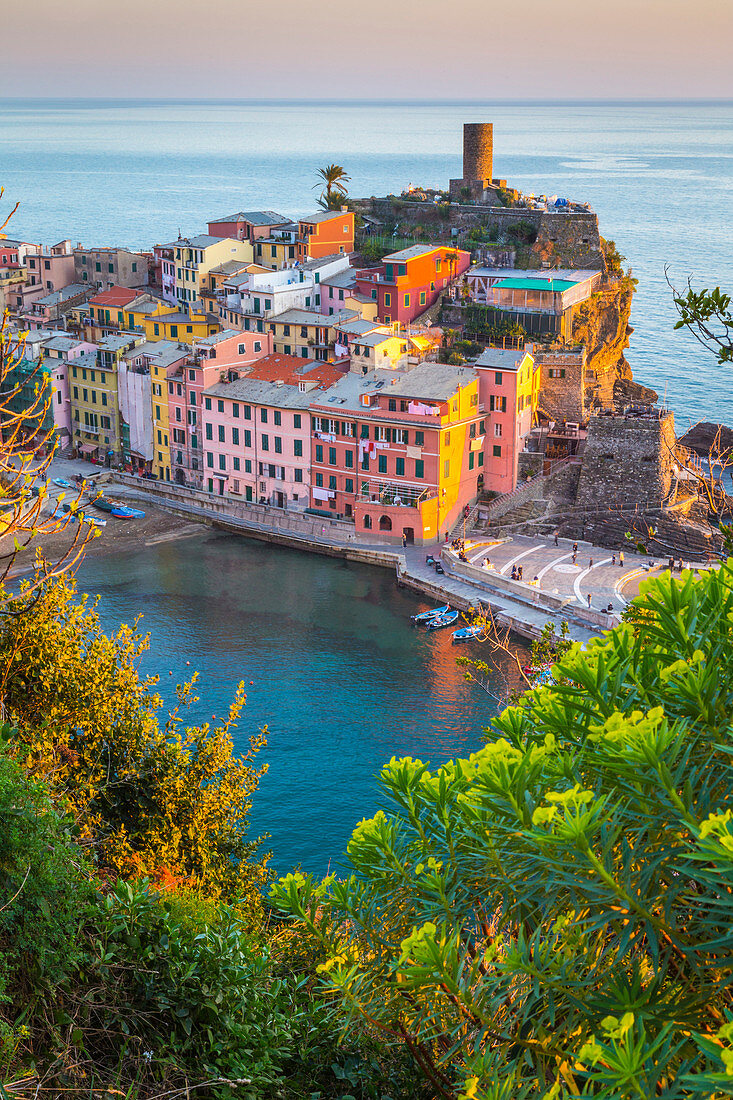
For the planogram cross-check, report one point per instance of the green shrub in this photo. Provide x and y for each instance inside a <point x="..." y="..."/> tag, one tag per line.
<point x="552" y="916"/>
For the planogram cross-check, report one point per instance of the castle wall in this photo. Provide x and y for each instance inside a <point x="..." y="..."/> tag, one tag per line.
<point x="627" y="460"/>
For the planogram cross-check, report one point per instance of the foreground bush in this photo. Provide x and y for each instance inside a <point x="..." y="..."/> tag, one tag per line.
<point x="553" y="916"/>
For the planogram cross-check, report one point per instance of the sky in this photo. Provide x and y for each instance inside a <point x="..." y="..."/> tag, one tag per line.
<point x="384" y="49"/>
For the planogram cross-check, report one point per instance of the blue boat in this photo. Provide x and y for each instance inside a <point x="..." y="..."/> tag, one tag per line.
<point x="466" y="632"/>
<point x="63" y="482"/>
<point x="136" y="513"/>
<point x="120" y="512"/>
<point x="425" y="615"/>
<point x="442" y="620"/>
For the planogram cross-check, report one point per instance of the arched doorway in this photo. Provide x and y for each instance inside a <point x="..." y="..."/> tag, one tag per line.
<point x="385" y="523"/>
<point x="180" y="477"/>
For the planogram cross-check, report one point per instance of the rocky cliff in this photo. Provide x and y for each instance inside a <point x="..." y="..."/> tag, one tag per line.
<point x="602" y="325"/>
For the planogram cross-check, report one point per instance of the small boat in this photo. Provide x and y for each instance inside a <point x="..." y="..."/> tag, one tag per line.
<point x="425" y="615"/>
<point x="442" y="620"/>
<point x="117" y="508"/>
<point x="63" y="482"/>
<point x="467" y="632"/>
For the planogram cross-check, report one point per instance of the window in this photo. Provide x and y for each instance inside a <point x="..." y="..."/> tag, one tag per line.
<point x="472" y="432"/>
<point x="319" y="453"/>
<point x="471" y="456"/>
<point x="76" y="393"/>
<point x="496" y="404"/>
<point x="349" y="459"/>
<point x="481" y="458"/>
<point x="474" y="399"/>
<point x="222" y="462"/>
<point x="419" y="439"/>
<point x="286" y="330"/>
<point x="247" y="438"/>
<point x="296" y="420"/>
<point x="332" y="456"/>
<point x="498" y="378"/>
<point x="399" y="435"/>
<point x="388" y="299"/>
<point x="365" y="461"/>
<point x="382" y="464"/>
<point x="207" y="403"/>
<point x="278" y="445"/>
<point x="209" y="459"/>
<point x="258" y="345"/>
<point x="219" y="404"/>
<point x="446" y="468"/>
<point x="497" y="451"/>
<point x="235" y="436"/>
<point x="332" y="481"/>
<point x="298" y="475"/>
<point x="446" y="439"/>
<point x="557" y="372"/>
<point x="265" y="442"/>
<point x="400" y="467"/>
<point x="222" y="438"/>
<point x="407" y="299"/>
<point x="392" y="405"/>
<point x="367" y="523"/>
<point x="298" y="448"/>
<point x="263" y="416"/>
<point x="497" y="431"/>
<point x="235" y="410"/>
<point x="192" y="375"/>
<point x="209" y="431"/>
<point x="248" y="465"/>
<point x="422" y="297"/>
<point x="242" y="349"/>
<point x="192" y="400"/>
<point x="319" y="480"/>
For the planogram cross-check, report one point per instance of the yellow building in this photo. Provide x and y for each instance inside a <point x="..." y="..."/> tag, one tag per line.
<point x="184" y="327"/>
<point x="97" y="427"/>
<point x="194" y="258"/>
<point x="275" y="253"/>
<point x="305" y="333"/>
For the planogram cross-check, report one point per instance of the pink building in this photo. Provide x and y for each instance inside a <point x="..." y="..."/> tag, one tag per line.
<point x="258" y="434"/>
<point x="57" y="353"/>
<point x="508" y="388"/>
<point x="222" y="357"/>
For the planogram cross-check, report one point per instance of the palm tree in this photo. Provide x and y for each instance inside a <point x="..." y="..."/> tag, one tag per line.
<point x="335" y="191"/>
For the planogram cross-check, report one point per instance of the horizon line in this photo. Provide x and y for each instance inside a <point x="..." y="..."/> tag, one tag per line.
<point x="399" y="100"/>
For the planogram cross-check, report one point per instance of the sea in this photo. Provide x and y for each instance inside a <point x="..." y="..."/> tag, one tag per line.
<point x="331" y="664"/>
<point x="659" y="176"/>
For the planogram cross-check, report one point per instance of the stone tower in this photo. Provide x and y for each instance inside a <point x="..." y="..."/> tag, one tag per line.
<point x="478" y="151"/>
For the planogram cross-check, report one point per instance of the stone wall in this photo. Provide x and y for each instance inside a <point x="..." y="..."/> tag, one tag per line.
<point x="627" y="460"/>
<point x="562" y="397"/>
<point x="565" y="238"/>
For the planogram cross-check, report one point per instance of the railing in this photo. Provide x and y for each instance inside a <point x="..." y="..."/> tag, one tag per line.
<point x="521" y="492"/>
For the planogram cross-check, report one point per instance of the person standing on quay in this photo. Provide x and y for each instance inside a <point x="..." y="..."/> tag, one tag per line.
<point x="621" y="559"/>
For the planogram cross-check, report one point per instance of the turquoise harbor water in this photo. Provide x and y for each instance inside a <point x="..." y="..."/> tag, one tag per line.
<point x="340" y="676"/>
<point x="660" y="177"/>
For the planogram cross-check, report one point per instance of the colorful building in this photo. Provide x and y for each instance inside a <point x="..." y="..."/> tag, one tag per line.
<point x="38" y="384"/>
<point x="509" y="383"/>
<point x="410" y="281"/>
<point x="94" y="399"/>
<point x="306" y="333"/>
<point x="542" y="302"/>
<point x="249" y="225"/>
<point x="195" y="257"/>
<point x="257" y="431"/>
<point x="402" y="453"/>
<point x="325" y="233"/>
<point x="215" y="359"/>
<point x="106" y="267"/>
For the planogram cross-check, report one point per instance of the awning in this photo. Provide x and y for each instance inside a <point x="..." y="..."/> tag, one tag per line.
<point x="477" y="444"/>
<point x="88" y="448"/>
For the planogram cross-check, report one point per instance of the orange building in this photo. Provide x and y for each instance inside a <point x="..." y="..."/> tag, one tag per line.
<point x="325" y="234"/>
<point x="410" y="281"/>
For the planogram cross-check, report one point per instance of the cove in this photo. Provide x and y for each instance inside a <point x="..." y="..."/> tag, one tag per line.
<point x="340" y="677"/>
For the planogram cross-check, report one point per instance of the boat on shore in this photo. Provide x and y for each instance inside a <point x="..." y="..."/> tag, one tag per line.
<point x="116" y="508"/>
<point x="465" y="633"/>
<point x="424" y="616"/>
<point x="63" y="482"/>
<point x="442" y="620"/>
<point x="83" y="516"/>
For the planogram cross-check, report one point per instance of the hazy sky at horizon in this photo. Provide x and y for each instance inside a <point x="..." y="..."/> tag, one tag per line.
<point x="423" y="49"/>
